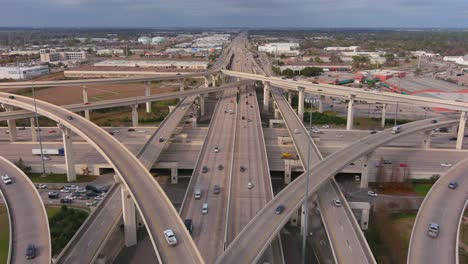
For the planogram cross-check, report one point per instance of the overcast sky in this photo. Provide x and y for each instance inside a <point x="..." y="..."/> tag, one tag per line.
<point x="235" y="13"/>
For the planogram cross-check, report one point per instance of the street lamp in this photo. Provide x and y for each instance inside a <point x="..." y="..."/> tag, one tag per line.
<point x="396" y="115"/>
<point x="36" y="116"/>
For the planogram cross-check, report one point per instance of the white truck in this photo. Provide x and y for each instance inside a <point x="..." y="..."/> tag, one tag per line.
<point x="396" y="129"/>
<point x="57" y="151"/>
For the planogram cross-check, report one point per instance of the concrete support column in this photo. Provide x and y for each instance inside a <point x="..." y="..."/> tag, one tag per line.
<point x="85" y="101"/>
<point x="34" y="137"/>
<point x="129" y="217"/>
<point x="182" y="85"/>
<point x="207" y="82"/>
<point x="295" y="218"/>
<point x="213" y="80"/>
<point x="202" y="105"/>
<point x="11" y="125"/>
<point x="266" y="96"/>
<point x="426" y="143"/>
<point x="148" y="93"/>
<point x="287" y="172"/>
<point x="300" y="108"/>
<point x="134" y="115"/>
<point x="384" y="113"/>
<point x="277" y="114"/>
<point x="320" y="106"/>
<point x="350" y="117"/>
<point x="171" y="108"/>
<point x="220" y="78"/>
<point x="365" y="171"/>
<point x="67" y="147"/>
<point x="365" y="219"/>
<point x="289" y="97"/>
<point x="461" y="130"/>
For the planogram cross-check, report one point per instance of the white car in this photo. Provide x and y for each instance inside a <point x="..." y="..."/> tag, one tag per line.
<point x="45" y="158"/>
<point x="170" y="237"/>
<point x="296" y="131"/>
<point x="371" y="193"/>
<point x="337" y="202"/>
<point x="316" y="130"/>
<point x="141" y="131"/>
<point x="64" y="191"/>
<point x="216" y="149"/>
<point x="445" y="164"/>
<point x="249" y="185"/>
<point x="42" y="186"/>
<point x="325" y="126"/>
<point x="6" y="179"/>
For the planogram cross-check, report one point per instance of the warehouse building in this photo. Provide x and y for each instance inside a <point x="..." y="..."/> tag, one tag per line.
<point x="22" y="72"/>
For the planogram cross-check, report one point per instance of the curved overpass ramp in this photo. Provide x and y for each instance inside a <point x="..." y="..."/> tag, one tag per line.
<point x="257" y="235"/>
<point x="29" y="222"/>
<point x="445" y="207"/>
<point x="154" y="206"/>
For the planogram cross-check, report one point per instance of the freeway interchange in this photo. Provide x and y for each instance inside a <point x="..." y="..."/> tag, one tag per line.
<point x="241" y="225"/>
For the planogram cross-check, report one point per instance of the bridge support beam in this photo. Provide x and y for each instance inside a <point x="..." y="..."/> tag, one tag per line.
<point x="171" y="108"/>
<point x="426" y="143"/>
<point x="277" y="114"/>
<point x="34" y="137"/>
<point x="289" y="97"/>
<point x="129" y="218"/>
<point x="287" y="173"/>
<point x="201" y="100"/>
<point x="174" y="173"/>
<point x="207" y="81"/>
<point x="148" y="93"/>
<point x="384" y="113"/>
<point x="294" y="221"/>
<point x="300" y="108"/>
<point x="85" y="100"/>
<point x="320" y="105"/>
<point x="11" y="125"/>
<point x="461" y="130"/>
<point x="266" y="96"/>
<point x="350" y="117"/>
<point x="365" y="170"/>
<point x="67" y="147"/>
<point x="134" y="115"/>
<point x="365" y="208"/>
<point x="213" y="80"/>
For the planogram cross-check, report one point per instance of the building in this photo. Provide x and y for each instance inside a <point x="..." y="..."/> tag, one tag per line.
<point x="22" y="72"/>
<point x="375" y="57"/>
<point x="422" y="53"/>
<point x="286" y="48"/>
<point x="102" y="52"/>
<point x="460" y="60"/>
<point x="350" y="48"/>
<point x="55" y="55"/>
<point x="163" y="64"/>
<point x="297" y="67"/>
<point x="158" y="40"/>
<point x="144" y="40"/>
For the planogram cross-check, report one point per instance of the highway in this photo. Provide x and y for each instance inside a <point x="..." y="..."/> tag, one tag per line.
<point x="29" y="222"/>
<point x="86" y="249"/>
<point x="346" y="238"/>
<point x="208" y="230"/>
<point x="156" y="209"/>
<point x="445" y="207"/>
<point x="121" y="102"/>
<point x="251" y="243"/>
<point x="346" y="92"/>
<point x="38" y="84"/>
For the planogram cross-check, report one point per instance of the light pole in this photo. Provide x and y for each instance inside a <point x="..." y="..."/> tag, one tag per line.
<point x="396" y="115"/>
<point x="306" y="193"/>
<point x="36" y="116"/>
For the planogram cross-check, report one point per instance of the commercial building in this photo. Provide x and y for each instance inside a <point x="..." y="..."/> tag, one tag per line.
<point x="286" y="48"/>
<point x="350" y="48"/>
<point x="144" y="40"/>
<point x="298" y="66"/>
<point x="163" y="64"/>
<point x="102" y="52"/>
<point x="158" y="40"/>
<point x="56" y="55"/>
<point x="422" y="53"/>
<point x="22" y="72"/>
<point x="460" y="60"/>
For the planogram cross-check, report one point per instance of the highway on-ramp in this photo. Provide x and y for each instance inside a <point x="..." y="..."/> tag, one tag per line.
<point x="445" y="207"/>
<point x="156" y="209"/>
<point x="29" y="222"/>
<point x="256" y="236"/>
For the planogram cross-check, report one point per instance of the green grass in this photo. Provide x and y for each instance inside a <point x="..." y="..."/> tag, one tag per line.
<point x="59" y="178"/>
<point x="404" y="224"/>
<point x="422" y="189"/>
<point x="52" y="211"/>
<point x="4" y="234"/>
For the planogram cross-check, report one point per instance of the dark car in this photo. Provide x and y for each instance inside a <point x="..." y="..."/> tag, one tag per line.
<point x="161" y="139"/>
<point x="373" y="132"/>
<point x="453" y="185"/>
<point x="31" y="251"/>
<point x="130" y="129"/>
<point x="70" y="117"/>
<point x="246" y="103"/>
<point x="53" y="195"/>
<point x="279" y="209"/>
<point x="216" y="189"/>
<point x="250" y="94"/>
<point x="242" y="168"/>
<point x="243" y="117"/>
<point x="90" y="188"/>
<point x="11" y="96"/>
<point x="220" y="167"/>
<point x="433" y="121"/>
<point x="66" y="201"/>
<point x="189" y="225"/>
<point x="103" y="189"/>
<point x="204" y="169"/>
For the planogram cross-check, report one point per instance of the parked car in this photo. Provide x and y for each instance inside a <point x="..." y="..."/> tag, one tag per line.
<point x="53" y="195"/>
<point x="387" y="162"/>
<point x="337" y="202"/>
<point x="445" y="164"/>
<point x="66" y="200"/>
<point x="42" y="186"/>
<point x="170" y="237"/>
<point x="279" y="209"/>
<point x="371" y="193"/>
<point x="453" y="185"/>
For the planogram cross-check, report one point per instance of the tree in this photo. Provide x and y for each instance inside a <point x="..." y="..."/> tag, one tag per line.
<point x="311" y="71"/>
<point x="360" y="61"/>
<point x="288" y="73"/>
<point x="22" y="166"/>
<point x="418" y="72"/>
<point x="318" y="60"/>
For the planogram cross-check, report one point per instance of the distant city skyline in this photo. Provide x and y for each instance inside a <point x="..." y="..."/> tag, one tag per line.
<point x="235" y="13"/>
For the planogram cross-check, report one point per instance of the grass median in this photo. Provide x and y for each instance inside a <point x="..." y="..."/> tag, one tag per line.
<point x="4" y="234"/>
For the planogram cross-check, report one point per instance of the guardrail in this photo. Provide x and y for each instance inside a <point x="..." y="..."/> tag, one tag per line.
<point x="80" y="232"/>
<point x="354" y="223"/>
<point x="10" y="220"/>
<point x="233" y="146"/>
<point x="457" y="243"/>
